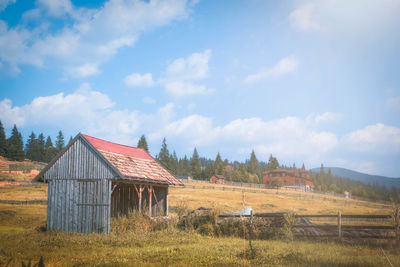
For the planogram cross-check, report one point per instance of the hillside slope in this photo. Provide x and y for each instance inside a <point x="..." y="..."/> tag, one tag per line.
<point x="362" y="177"/>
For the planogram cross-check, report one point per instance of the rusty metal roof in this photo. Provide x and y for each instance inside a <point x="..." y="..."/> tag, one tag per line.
<point x="132" y="162"/>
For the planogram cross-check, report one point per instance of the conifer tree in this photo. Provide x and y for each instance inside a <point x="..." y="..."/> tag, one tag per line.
<point x="254" y="166"/>
<point x="195" y="164"/>
<point x="60" y="141"/>
<point x="49" y="150"/>
<point x="164" y="156"/>
<point x="143" y="143"/>
<point x="184" y="166"/>
<point x="48" y="143"/>
<point x="173" y="162"/>
<point x="272" y="163"/>
<point x="15" y="145"/>
<point x="29" y="147"/>
<point x="40" y="147"/>
<point x="218" y="165"/>
<point x="70" y="140"/>
<point x="3" y="141"/>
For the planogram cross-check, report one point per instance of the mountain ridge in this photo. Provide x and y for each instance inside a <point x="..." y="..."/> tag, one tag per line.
<point x="388" y="182"/>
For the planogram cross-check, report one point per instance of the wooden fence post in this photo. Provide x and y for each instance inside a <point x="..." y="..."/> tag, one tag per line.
<point x="397" y="218"/>
<point x="339" y="221"/>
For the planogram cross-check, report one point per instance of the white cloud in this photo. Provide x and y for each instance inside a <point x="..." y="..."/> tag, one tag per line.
<point x="5" y="3"/>
<point x="326" y="117"/>
<point x="394" y="102"/>
<point x="378" y="138"/>
<point x="56" y="8"/>
<point x="303" y="18"/>
<point x="186" y="88"/>
<point x="86" y="110"/>
<point x="149" y="100"/>
<point x="283" y="137"/>
<point x="93" y="35"/>
<point x="137" y="79"/>
<point x="192" y="68"/>
<point x="284" y="66"/>
<point x="347" y="19"/>
<point x="182" y="72"/>
<point x="83" y="70"/>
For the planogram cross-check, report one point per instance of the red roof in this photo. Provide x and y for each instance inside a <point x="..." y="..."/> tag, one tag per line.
<point x="132" y="161"/>
<point x="117" y="148"/>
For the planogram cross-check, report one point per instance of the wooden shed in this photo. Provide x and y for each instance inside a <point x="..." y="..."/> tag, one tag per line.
<point x="92" y="180"/>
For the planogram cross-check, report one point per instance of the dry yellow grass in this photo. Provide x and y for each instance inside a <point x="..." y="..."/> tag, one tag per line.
<point x="228" y="201"/>
<point x="38" y="192"/>
<point x="267" y="200"/>
<point x="23" y="240"/>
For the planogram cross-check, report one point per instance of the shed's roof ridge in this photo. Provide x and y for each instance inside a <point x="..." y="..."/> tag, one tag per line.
<point x="117" y="148"/>
<point x="86" y="135"/>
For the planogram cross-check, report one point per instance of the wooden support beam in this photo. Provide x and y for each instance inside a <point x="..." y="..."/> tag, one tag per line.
<point x="166" y="203"/>
<point x="140" y="197"/>
<point x="112" y="190"/>
<point x="155" y="197"/>
<point x="339" y="220"/>
<point x="150" y="189"/>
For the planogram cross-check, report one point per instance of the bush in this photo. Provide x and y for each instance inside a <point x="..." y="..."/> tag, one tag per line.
<point x="140" y="223"/>
<point x="287" y="229"/>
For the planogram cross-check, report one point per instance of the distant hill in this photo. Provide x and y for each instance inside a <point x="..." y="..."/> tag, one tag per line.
<point x="363" y="177"/>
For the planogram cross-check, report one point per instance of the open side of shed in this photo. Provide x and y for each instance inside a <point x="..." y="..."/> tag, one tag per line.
<point x="88" y="184"/>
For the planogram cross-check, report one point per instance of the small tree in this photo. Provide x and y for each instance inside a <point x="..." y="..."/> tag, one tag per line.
<point x="164" y="156"/>
<point x="277" y="183"/>
<point x="195" y="164"/>
<point x="41" y="147"/>
<point x="15" y="145"/>
<point x="218" y="165"/>
<point x="49" y="150"/>
<point x="143" y="143"/>
<point x="272" y="163"/>
<point x="254" y="166"/>
<point x="3" y="141"/>
<point x="48" y="143"/>
<point x="60" y="141"/>
<point x="30" y="146"/>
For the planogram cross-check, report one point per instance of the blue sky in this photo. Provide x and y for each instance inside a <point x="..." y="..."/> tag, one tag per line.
<point x="307" y="81"/>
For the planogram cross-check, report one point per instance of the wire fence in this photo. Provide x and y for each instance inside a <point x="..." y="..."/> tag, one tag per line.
<point x="300" y="194"/>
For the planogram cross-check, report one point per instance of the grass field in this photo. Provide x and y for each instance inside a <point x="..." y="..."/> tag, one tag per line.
<point x="22" y="237"/>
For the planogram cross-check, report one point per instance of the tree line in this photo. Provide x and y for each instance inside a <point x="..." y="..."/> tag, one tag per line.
<point x="37" y="148"/>
<point x="251" y="171"/>
<point x="202" y="168"/>
<point x="326" y="182"/>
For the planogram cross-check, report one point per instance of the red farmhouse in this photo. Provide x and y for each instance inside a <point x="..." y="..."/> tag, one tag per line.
<point x="296" y="178"/>
<point x="217" y="179"/>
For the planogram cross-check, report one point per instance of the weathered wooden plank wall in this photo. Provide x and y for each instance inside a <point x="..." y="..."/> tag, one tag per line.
<point x="79" y="191"/>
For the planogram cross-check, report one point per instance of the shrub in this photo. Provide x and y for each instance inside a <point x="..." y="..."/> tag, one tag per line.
<point x="136" y="222"/>
<point x="207" y="229"/>
<point x="287" y="229"/>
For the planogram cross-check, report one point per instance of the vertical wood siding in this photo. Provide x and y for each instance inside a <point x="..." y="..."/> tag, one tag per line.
<point x="79" y="195"/>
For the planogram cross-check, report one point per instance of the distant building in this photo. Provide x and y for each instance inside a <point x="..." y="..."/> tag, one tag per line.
<point x="217" y="179"/>
<point x="184" y="177"/>
<point x="290" y="178"/>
